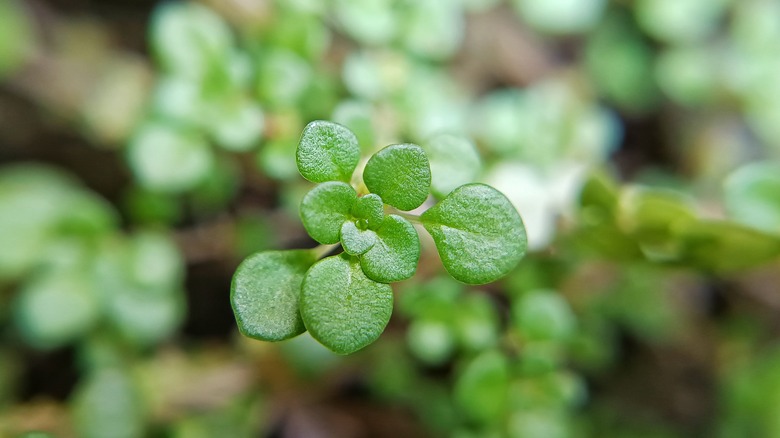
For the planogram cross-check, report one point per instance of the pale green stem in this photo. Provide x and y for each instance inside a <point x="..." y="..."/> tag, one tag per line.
<point x="413" y="218"/>
<point x="322" y="250"/>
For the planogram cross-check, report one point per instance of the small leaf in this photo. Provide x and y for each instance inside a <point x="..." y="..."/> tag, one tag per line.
<point x="327" y="152"/>
<point x="752" y="195"/>
<point x="40" y="306"/>
<point x="265" y="291"/>
<point x="371" y="208"/>
<point x="356" y="241"/>
<point x="168" y="158"/>
<point x="454" y="162"/>
<point x="108" y="403"/>
<point x="400" y="175"/>
<point x="481" y="390"/>
<point x="478" y="233"/>
<point x="325" y="208"/>
<point x="395" y="254"/>
<point x="342" y="308"/>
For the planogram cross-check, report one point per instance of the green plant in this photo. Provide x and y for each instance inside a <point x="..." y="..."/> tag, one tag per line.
<point x="345" y="301"/>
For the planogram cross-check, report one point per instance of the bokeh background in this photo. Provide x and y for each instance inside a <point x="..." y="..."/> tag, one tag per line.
<point x="147" y="147"/>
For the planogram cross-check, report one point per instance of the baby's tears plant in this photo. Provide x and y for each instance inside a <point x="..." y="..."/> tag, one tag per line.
<point x="345" y="300"/>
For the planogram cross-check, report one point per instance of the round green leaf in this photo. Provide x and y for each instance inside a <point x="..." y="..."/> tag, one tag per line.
<point x="169" y="159"/>
<point x="188" y="38"/>
<point x="264" y="294"/>
<point x="327" y="152"/>
<point x="56" y="308"/>
<point x="356" y="241"/>
<point x="481" y="390"/>
<point x="400" y="174"/>
<point x="108" y="404"/>
<point x="478" y="233"/>
<point x="325" y="208"/>
<point x="395" y="254"/>
<point x="341" y="307"/>
<point x="371" y="208"/>
<point x="454" y="162"/>
<point x="752" y="195"/>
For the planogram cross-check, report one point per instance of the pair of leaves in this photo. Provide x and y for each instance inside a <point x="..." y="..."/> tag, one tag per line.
<point x="399" y="174"/>
<point x="277" y="295"/>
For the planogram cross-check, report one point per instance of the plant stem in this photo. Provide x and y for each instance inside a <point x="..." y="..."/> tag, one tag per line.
<point x="413" y="218"/>
<point x="323" y="250"/>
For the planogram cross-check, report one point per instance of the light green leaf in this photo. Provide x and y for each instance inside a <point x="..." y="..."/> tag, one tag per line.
<point x="265" y="292"/>
<point x="543" y="316"/>
<point x="400" y="175"/>
<point x="396" y="252"/>
<point x="169" y="159"/>
<point x="370" y="208"/>
<point x="711" y="245"/>
<point x="454" y="162"/>
<point x="481" y="390"/>
<point x="327" y="152"/>
<point x="56" y="308"/>
<point x="478" y="233"/>
<point x="341" y="307"/>
<point x="356" y="241"/>
<point x="752" y="195"/>
<point x="189" y="39"/>
<point x="145" y="319"/>
<point x="107" y="404"/>
<point x="325" y="208"/>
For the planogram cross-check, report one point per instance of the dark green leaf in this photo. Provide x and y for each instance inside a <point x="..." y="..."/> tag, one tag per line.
<point x="325" y="208"/>
<point x="395" y="254"/>
<point x="265" y="292"/>
<point x="479" y="234"/>
<point x="370" y="208"/>
<point x="400" y="175"/>
<point x="356" y="241"/>
<point x="342" y="308"/>
<point x="327" y="152"/>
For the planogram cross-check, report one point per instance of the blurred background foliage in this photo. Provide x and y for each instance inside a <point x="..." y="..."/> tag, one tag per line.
<point x="147" y="147"/>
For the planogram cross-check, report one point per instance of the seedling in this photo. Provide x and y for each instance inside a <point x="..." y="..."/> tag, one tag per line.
<point x="345" y="301"/>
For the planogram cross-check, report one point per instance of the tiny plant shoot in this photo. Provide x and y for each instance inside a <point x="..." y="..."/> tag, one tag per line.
<point x="345" y="300"/>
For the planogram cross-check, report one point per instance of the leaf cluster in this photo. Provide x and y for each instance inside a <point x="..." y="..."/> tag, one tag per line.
<point x="345" y="301"/>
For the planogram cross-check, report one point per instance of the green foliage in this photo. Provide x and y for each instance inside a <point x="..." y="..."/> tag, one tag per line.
<point x="479" y="234"/>
<point x="482" y="387"/>
<point x="341" y="307"/>
<point x="345" y="301"/>
<point x="326" y="208"/>
<point x="752" y="196"/>
<point x="400" y="175"/>
<point x="265" y="294"/>
<point x="327" y="152"/>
